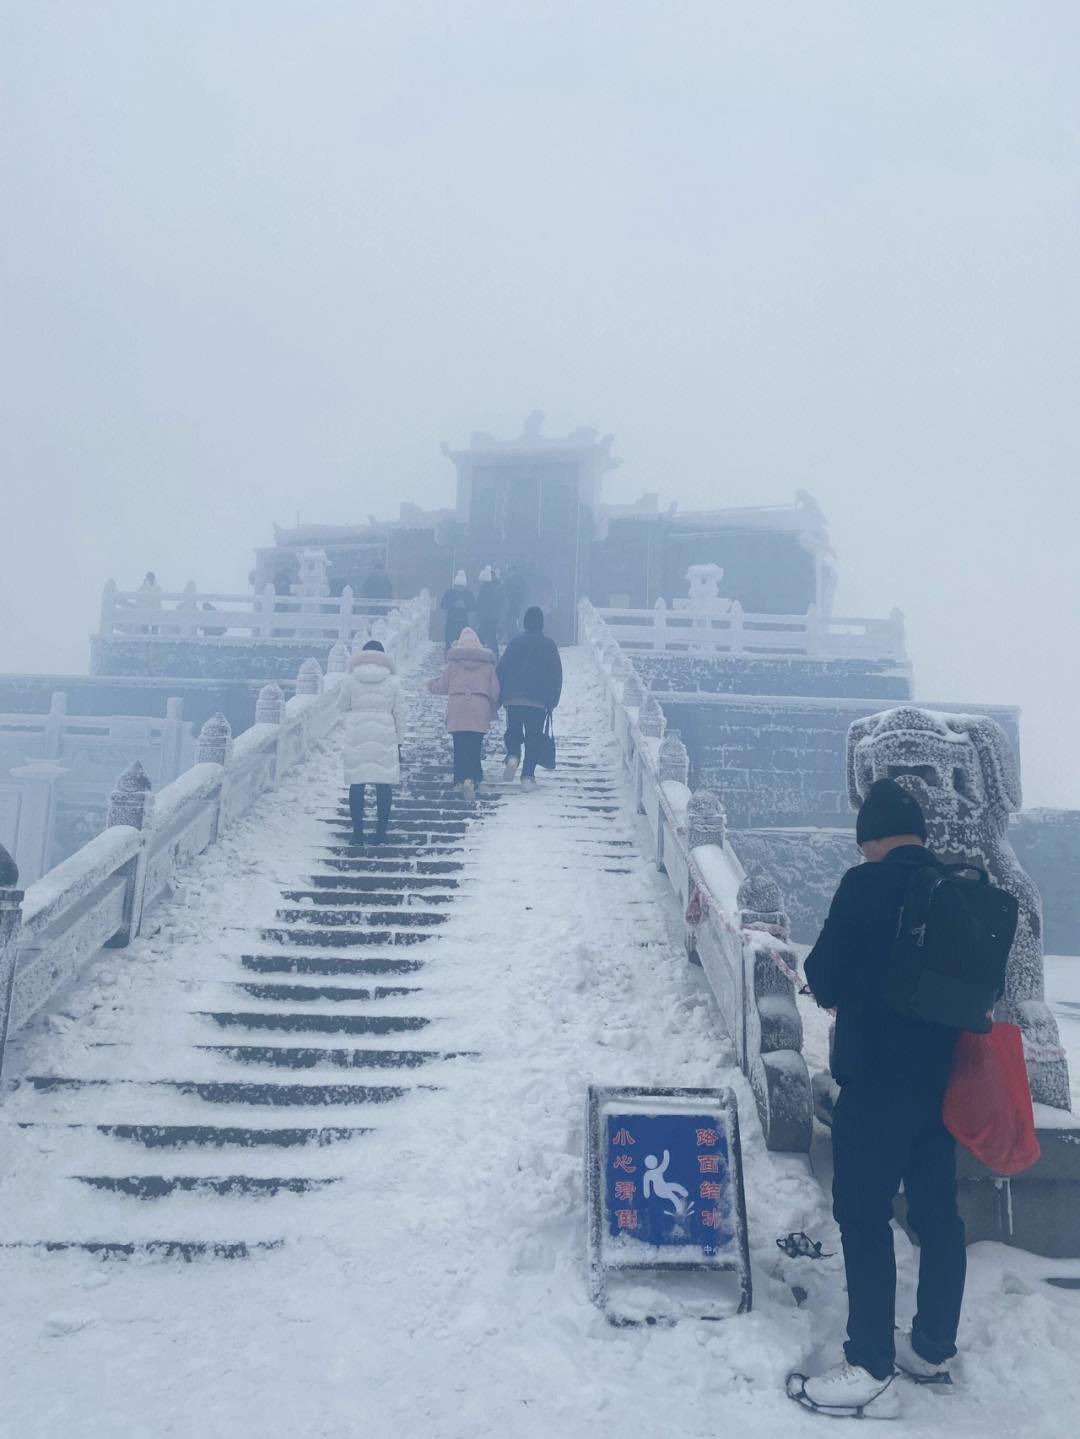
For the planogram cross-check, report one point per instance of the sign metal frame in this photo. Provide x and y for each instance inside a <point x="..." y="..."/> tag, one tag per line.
<point x="665" y="1255"/>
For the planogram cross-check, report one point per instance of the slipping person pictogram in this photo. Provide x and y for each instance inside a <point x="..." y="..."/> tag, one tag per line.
<point x="654" y="1182"/>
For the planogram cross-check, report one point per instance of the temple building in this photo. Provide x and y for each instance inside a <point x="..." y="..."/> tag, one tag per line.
<point x="536" y="502"/>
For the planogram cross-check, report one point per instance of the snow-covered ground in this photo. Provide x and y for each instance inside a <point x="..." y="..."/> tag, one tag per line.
<point x="440" y="1289"/>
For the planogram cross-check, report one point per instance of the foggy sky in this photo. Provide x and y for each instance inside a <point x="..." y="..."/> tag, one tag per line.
<point x="263" y="256"/>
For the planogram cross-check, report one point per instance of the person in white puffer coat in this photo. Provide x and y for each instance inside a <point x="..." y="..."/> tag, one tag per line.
<point x="374" y="727"/>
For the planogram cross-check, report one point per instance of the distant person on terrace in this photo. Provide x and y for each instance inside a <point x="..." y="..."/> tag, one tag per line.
<point x="149" y="596"/>
<point x="459" y="603"/>
<point x="489" y="607"/>
<point x="472" y="692"/>
<point x="378" y="586"/>
<point x="530" y="682"/>
<point x="515" y="592"/>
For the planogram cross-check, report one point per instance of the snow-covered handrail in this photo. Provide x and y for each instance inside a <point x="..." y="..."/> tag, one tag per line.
<point x="100" y="894"/>
<point x="224" y="619"/>
<point x="755" y="995"/>
<point x="728" y="629"/>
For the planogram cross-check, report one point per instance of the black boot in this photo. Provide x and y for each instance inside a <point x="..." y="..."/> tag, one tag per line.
<point x="358" y="837"/>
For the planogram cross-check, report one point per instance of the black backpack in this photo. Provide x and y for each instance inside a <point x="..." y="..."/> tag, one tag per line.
<point x="948" y="956"/>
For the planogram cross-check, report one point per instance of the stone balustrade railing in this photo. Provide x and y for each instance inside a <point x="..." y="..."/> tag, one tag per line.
<point x="741" y="946"/>
<point x="226" y="619"/>
<point x="727" y="629"/>
<point x="97" y="898"/>
<point x="54" y="758"/>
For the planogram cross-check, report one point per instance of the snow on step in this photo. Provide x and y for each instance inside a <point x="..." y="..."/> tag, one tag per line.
<point x="216" y="1049"/>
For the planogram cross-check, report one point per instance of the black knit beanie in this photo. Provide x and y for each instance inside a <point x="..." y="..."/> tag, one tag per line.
<point x="534" y="618"/>
<point x="889" y="810"/>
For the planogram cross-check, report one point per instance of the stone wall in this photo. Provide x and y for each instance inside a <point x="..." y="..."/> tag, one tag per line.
<point x="808" y="863"/>
<point x="193" y="659"/>
<point x="1047" y="844"/>
<point x="140" y="695"/>
<point x="877" y="680"/>
<point x="779" y="762"/>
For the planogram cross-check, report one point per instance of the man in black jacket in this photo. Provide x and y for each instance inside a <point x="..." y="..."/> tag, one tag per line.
<point x="892" y="1071"/>
<point x="530" y="683"/>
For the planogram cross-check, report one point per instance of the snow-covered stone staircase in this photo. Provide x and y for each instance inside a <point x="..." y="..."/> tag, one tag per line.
<point x="244" y="1052"/>
<point x="280" y="1056"/>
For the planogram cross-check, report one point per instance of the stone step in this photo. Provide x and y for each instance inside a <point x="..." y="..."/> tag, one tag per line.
<point x="329" y="992"/>
<point x="324" y="918"/>
<point x="393" y="850"/>
<point x="445" y="832"/>
<point x="186" y="1249"/>
<point x="327" y="938"/>
<point x="413" y="816"/>
<point x="158" y="1186"/>
<point x="378" y="863"/>
<point x="438" y="886"/>
<point x="327" y="964"/>
<point x="292" y="1057"/>
<point x="212" y="1092"/>
<point x="405" y="898"/>
<point x="216" y="1136"/>
<point x="319" y="1023"/>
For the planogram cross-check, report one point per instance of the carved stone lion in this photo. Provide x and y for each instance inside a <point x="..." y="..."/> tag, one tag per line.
<point x="962" y="770"/>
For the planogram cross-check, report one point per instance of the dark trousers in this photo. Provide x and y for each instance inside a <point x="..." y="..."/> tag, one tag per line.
<point x="524" y="725"/>
<point x="382" y="808"/>
<point x="885" y="1133"/>
<point x="467" y="747"/>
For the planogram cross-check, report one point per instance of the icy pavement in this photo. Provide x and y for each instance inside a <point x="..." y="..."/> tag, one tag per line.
<point x="437" y="1286"/>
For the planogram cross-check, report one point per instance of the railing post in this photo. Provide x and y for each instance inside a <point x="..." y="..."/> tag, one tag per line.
<point x="650" y="721"/>
<point x="705" y="819"/>
<point x="187" y="614"/>
<point x="11" y="898"/>
<point x="659" y="624"/>
<point x="108" y="608"/>
<point x="672" y="762"/>
<point x="38" y="782"/>
<point x="309" y="678"/>
<point x="633" y="694"/>
<point x="266" y="612"/>
<point x="172" y="735"/>
<point x="345" y="615"/>
<point x="270" y="706"/>
<point x="898" y="648"/>
<point x="816" y="632"/>
<point x="215" y="747"/>
<point x="54" y="725"/>
<point x="735" y="634"/>
<point x="338" y="661"/>
<point x="132" y="802"/>
<point x="270" y="709"/>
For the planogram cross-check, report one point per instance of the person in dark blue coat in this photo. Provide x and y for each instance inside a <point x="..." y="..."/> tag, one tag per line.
<point x="887" y="1129"/>
<point x="530" y="684"/>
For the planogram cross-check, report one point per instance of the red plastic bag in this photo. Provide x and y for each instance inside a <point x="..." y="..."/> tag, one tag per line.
<point x="987" y="1104"/>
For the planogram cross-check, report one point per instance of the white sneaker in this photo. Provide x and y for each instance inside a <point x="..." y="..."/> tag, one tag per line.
<point x="846" y="1391"/>
<point x="915" y="1366"/>
<point x="510" y="767"/>
<point x="528" y="782"/>
<point x="468" y="789"/>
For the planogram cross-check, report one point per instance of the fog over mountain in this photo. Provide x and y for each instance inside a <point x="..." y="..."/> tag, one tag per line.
<point x="262" y="258"/>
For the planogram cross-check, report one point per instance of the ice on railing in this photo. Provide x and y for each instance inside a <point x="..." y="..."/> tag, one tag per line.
<point x="71" y="881"/>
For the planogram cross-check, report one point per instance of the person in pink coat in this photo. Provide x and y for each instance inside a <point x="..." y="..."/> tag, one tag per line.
<point x="472" y="700"/>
